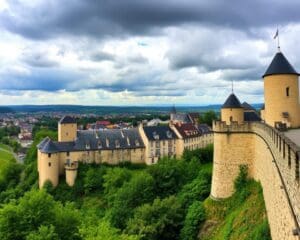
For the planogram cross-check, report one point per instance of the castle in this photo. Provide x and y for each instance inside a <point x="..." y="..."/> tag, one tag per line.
<point x="144" y="144"/>
<point x="265" y="147"/>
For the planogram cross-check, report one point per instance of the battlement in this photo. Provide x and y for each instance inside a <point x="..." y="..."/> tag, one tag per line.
<point x="220" y="126"/>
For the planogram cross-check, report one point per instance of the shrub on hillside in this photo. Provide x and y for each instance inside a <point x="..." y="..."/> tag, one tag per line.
<point x="195" y="216"/>
<point x="160" y="220"/>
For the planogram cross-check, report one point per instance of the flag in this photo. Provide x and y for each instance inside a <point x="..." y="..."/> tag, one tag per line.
<point x="276" y="34"/>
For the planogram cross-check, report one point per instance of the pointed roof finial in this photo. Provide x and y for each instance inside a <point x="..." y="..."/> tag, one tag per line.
<point x="277" y="36"/>
<point x="232" y="86"/>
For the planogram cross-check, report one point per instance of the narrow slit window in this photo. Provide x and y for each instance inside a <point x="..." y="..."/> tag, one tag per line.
<point x="287" y="91"/>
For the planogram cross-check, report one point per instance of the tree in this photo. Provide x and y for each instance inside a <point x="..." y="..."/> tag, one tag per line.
<point x="43" y="233"/>
<point x="113" y="180"/>
<point x="139" y="190"/>
<point x="93" y="180"/>
<point x="103" y="231"/>
<point x="208" y="117"/>
<point x="169" y="175"/>
<point x="195" y="216"/>
<point x="37" y="208"/>
<point x="160" y="220"/>
<point x="198" y="189"/>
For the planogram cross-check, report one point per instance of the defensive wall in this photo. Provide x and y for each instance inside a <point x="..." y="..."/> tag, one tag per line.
<point x="272" y="159"/>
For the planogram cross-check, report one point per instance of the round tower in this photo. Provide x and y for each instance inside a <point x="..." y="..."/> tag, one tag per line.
<point x="67" y="129"/>
<point x="232" y="110"/>
<point x="71" y="172"/>
<point x="48" y="162"/>
<point x="281" y="93"/>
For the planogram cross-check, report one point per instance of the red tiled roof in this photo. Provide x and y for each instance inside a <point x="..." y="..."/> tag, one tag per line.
<point x="187" y="130"/>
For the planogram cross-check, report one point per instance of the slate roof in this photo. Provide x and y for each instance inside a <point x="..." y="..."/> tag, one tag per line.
<point x="232" y="102"/>
<point x="154" y="133"/>
<point x="248" y="107"/>
<point x="105" y="139"/>
<point x="194" y="116"/>
<point x="187" y="130"/>
<point x="47" y="146"/>
<point x="181" y="117"/>
<point x="280" y="65"/>
<point x="204" y="128"/>
<point x="67" y="119"/>
<point x="251" y="117"/>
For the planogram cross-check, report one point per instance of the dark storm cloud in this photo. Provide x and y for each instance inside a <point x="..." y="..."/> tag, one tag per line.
<point x="40" y="79"/>
<point x="102" y="18"/>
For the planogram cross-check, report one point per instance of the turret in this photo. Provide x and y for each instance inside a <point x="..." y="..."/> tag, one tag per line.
<point x="48" y="162"/>
<point x="232" y="110"/>
<point x="281" y="93"/>
<point x="71" y="172"/>
<point x="67" y="129"/>
<point x="172" y="113"/>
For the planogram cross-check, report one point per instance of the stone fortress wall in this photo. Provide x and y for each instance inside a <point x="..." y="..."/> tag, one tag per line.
<point x="272" y="159"/>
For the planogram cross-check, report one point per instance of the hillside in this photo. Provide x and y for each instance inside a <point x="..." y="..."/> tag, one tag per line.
<point x="243" y="216"/>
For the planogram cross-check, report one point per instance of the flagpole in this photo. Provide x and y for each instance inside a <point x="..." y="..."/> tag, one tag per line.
<point x="278" y="43"/>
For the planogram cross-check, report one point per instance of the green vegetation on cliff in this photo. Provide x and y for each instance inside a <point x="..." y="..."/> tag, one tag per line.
<point x="242" y="216"/>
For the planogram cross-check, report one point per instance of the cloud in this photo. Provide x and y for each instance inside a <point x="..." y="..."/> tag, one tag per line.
<point x="102" y="19"/>
<point x="141" y="52"/>
<point x="101" y="56"/>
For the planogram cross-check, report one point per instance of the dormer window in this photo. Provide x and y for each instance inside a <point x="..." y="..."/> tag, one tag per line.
<point x="128" y="141"/>
<point x="137" y="143"/>
<point x="155" y="136"/>
<point x="87" y="146"/>
<point x="99" y="144"/>
<point x="107" y="142"/>
<point x="169" y="134"/>
<point x="117" y="143"/>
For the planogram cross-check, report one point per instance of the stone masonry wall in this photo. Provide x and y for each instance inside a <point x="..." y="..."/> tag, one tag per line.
<point x="272" y="160"/>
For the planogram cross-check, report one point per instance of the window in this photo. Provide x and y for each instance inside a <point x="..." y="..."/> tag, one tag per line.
<point x="49" y="164"/>
<point x="287" y="91"/>
<point x="68" y="154"/>
<point x="49" y="155"/>
<point x="230" y="119"/>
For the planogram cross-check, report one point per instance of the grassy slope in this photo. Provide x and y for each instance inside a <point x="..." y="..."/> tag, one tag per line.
<point x="5" y="157"/>
<point x="242" y="216"/>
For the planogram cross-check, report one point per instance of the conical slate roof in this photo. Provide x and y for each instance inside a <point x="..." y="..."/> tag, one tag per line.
<point x="47" y="146"/>
<point x="247" y="106"/>
<point x="232" y="102"/>
<point x="280" y="65"/>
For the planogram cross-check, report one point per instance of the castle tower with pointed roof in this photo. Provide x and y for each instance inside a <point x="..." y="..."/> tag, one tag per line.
<point x="67" y="129"/>
<point x="232" y="110"/>
<point x="281" y="93"/>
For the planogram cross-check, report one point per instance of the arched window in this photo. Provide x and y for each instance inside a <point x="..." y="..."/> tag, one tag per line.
<point x="230" y="119"/>
<point x="287" y="91"/>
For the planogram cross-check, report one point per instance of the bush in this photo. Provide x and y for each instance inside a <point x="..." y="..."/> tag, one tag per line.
<point x="139" y="190"/>
<point x="195" y="216"/>
<point x="242" y="178"/>
<point x="93" y="180"/>
<point x="159" y="220"/>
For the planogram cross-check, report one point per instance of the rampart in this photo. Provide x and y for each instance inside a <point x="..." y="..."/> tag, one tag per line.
<point x="272" y="159"/>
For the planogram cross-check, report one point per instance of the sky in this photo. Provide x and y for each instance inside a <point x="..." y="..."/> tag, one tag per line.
<point x="141" y="52"/>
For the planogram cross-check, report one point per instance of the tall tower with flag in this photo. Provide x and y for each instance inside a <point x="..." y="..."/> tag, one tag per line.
<point x="281" y="92"/>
